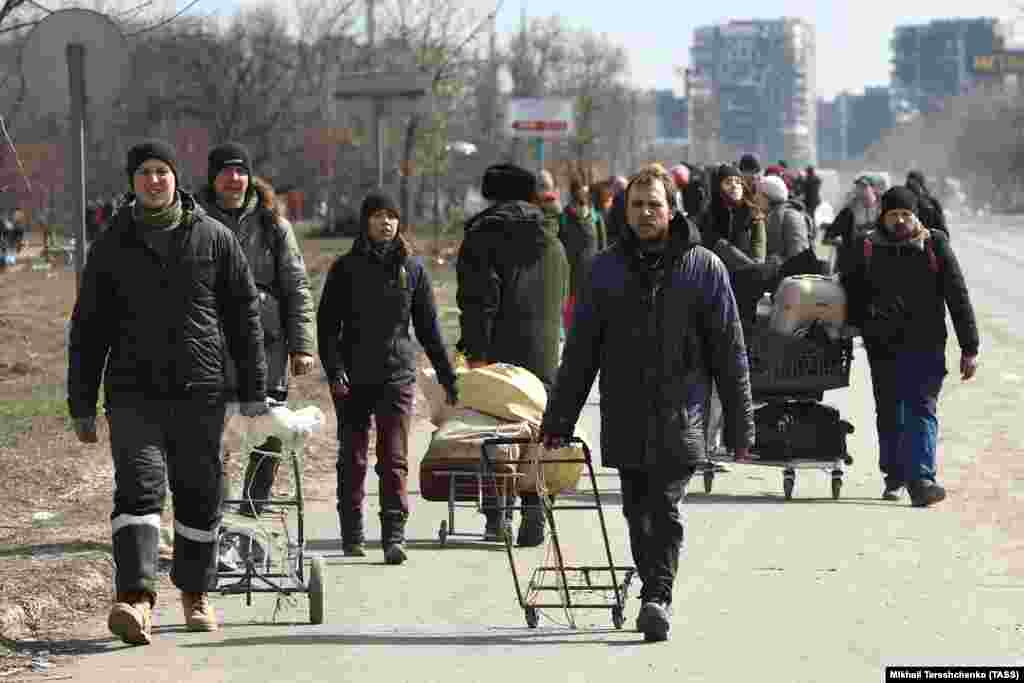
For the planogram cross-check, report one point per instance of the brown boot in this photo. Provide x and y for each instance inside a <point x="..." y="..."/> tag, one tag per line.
<point x="131" y="618"/>
<point x="199" y="614"/>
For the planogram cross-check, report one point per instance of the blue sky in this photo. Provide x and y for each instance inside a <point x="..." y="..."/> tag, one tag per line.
<point x="852" y="38"/>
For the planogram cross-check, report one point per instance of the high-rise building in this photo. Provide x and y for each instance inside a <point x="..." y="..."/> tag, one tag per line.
<point x="756" y="86"/>
<point x="671" y="113"/>
<point x="934" y="61"/>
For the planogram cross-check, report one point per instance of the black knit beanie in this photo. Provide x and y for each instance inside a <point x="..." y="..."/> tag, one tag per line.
<point x="750" y="164"/>
<point x="227" y="154"/>
<point x="375" y="201"/>
<point x="899" y="197"/>
<point x="151" y="149"/>
<point x="728" y="171"/>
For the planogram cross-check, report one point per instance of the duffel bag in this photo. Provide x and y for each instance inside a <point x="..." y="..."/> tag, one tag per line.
<point x="800" y="431"/>
<point x="455" y="447"/>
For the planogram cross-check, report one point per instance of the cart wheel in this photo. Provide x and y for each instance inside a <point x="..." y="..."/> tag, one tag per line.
<point x="531" y="617"/>
<point x="787" y="486"/>
<point x="317" y="580"/>
<point x="618" y="619"/>
<point x="709" y="480"/>
<point x="442" y="532"/>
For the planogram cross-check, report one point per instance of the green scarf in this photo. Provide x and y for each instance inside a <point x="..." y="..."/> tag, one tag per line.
<point x="159" y="219"/>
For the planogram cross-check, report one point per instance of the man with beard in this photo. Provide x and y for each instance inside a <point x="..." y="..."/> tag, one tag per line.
<point x="657" y="319"/>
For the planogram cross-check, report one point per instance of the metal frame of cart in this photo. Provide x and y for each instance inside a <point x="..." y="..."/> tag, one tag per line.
<point x="255" y="579"/>
<point x="563" y="571"/>
<point x="447" y="528"/>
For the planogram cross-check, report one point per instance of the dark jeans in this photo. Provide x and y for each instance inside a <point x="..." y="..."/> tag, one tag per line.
<point x="906" y="387"/>
<point x="650" y="502"/>
<point x="391" y="406"/>
<point x="153" y="443"/>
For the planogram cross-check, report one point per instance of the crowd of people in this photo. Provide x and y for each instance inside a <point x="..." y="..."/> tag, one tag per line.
<point x="189" y="303"/>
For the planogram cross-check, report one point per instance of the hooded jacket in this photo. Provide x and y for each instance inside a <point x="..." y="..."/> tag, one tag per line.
<point x="899" y="299"/>
<point x="735" y="233"/>
<point x="165" y="329"/>
<point x="274" y="256"/>
<point x="513" y="277"/>
<point x="370" y="296"/>
<point x="658" y="336"/>
<point x="582" y="239"/>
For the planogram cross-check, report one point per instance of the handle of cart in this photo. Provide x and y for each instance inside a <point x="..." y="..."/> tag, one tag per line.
<point x="564" y="574"/>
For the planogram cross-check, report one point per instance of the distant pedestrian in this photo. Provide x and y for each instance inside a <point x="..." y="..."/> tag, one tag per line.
<point x="929" y="208"/>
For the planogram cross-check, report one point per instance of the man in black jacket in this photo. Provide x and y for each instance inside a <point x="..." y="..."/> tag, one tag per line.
<point x="513" y="277"/>
<point x="166" y="295"/>
<point x="657" y="318"/>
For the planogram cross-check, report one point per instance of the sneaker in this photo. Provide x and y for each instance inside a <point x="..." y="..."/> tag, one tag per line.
<point x="354" y="550"/>
<point x="924" y="493"/>
<point x="892" y="491"/>
<point x="199" y="614"/>
<point x="131" y="618"/>
<point x="653" y="621"/>
<point x="395" y="553"/>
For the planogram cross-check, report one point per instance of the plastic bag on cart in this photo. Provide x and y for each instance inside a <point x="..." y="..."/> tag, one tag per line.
<point x="455" y="445"/>
<point x="281" y="421"/>
<point x="800" y="431"/>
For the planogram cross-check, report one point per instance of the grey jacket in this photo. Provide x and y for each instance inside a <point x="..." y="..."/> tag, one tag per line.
<point x="286" y="303"/>
<point x="786" y="232"/>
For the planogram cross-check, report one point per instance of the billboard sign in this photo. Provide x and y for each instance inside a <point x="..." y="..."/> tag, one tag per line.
<point x="548" y="118"/>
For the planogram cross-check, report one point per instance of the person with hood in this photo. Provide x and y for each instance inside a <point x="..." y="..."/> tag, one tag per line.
<point x="247" y="206"/>
<point x="513" y="278"/>
<point x="787" y="228"/>
<point x="166" y="303"/>
<point x="370" y="296"/>
<point x="656" y="318"/>
<point x="812" y="190"/>
<point x="929" y="208"/>
<point x="859" y="214"/>
<point x="733" y="226"/>
<point x="582" y="233"/>
<point x="899" y="282"/>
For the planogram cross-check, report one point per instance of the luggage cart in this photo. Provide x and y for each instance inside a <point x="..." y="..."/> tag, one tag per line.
<point x="792" y="372"/>
<point x="572" y="580"/>
<point x="466" y="487"/>
<point x="262" y="573"/>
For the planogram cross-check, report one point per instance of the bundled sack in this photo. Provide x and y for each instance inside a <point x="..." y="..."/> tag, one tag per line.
<point x="560" y="470"/>
<point x="507" y="392"/>
<point x="802" y="300"/>
<point x="438" y="410"/>
<point x="455" y="446"/>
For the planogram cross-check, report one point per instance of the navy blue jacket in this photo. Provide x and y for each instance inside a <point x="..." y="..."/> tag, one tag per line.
<point x="364" y="314"/>
<point x="658" y="336"/>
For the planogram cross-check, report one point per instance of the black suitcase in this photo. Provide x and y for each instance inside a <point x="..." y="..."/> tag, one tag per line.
<point x="800" y="431"/>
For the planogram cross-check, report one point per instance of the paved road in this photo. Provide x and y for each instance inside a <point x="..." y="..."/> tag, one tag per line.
<point x="807" y="590"/>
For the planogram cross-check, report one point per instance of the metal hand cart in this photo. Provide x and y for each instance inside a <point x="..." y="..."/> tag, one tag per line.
<point x="286" y="574"/>
<point x="466" y="489"/>
<point x="792" y="372"/>
<point x="571" y="581"/>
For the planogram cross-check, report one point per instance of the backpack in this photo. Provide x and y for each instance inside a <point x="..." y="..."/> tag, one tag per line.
<point x="933" y="260"/>
<point x="800" y="431"/>
<point x="812" y="229"/>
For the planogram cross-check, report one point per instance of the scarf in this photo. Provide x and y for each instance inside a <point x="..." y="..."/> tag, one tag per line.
<point x="159" y="219"/>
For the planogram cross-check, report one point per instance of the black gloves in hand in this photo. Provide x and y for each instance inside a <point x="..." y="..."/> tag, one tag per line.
<point x="85" y="429"/>
<point x="452" y="394"/>
<point x="253" y="408"/>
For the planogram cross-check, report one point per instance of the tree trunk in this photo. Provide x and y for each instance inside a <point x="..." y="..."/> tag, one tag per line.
<point x="408" y="152"/>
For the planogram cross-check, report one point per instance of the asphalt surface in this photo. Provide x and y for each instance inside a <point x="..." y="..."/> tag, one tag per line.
<point x="813" y="589"/>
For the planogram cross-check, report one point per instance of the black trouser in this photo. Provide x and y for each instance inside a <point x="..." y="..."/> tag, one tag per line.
<point x="153" y="443"/>
<point x="650" y="502"/>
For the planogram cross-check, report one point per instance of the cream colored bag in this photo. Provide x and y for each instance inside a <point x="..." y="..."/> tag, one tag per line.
<point x="803" y="299"/>
<point x="504" y="391"/>
<point x="556" y="476"/>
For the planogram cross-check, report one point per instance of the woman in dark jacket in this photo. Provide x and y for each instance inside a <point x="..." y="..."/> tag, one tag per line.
<point x="370" y="296"/>
<point x="900" y="279"/>
<point x="733" y="225"/>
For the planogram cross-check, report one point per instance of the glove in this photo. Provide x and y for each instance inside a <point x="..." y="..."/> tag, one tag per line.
<point x="302" y="364"/>
<point x="340" y="389"/>
<point x="253" y="408"/>
<point x="553" y="442"/>
<point x="85" y="429"/>
<point x="452" y="394"/>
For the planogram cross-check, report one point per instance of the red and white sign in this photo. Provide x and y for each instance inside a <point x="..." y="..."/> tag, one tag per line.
<point x="549" y="118"/>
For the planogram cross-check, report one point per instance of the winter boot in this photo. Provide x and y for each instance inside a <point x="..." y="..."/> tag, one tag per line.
<point x="531" y="527"/>
<point x="392" y="536"/>
<point x="353" y="539"/>
<point x="498" y="524"/>
<point x="654" y="620"/>
<point x="925" y="492"/>
<point x="131" y="618"/>
<point x="199" y="614"/>
<point x="892" y="489"/>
